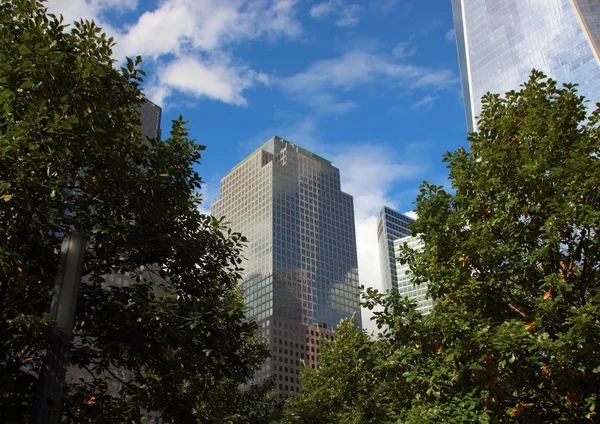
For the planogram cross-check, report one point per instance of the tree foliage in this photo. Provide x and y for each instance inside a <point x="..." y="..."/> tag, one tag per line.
<point x="512" y="256"/>
<point x="347" y="387"/>
<point x="513" y="261"/>
<point x="72" y="157"/>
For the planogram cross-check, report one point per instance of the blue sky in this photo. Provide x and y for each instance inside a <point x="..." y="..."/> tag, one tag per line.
<point x="372" y="86"/>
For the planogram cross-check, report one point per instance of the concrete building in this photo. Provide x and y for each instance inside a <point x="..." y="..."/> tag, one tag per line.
<point x="391" y="225"/>
<point x="301" y="270"/>
<point x="499" y="42"/>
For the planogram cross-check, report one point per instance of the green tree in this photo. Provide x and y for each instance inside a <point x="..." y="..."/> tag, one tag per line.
<point x="350" y="385"/>
<point x="72" y="157"/>
<point x="257" y="404"/>
<point x="513" y="258"/>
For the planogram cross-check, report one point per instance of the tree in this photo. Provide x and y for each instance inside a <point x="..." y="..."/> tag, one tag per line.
<point x="257" y="404"/>
<point x="72" y="157"/>
<point x="350" y="385"/>
<point x="513" y="258"/>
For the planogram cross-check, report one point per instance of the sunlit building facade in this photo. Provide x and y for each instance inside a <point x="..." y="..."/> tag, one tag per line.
<point x="391" y="225"/>
<point x="406" y="287"/>
<point x="499" y="42"/>
<point x="300" y="266"/>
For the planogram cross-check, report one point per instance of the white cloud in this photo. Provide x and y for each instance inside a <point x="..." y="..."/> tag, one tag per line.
<point x="322" y="83"/>
<point x="369" y="273"/>
<point x="426" y="102"/>
<point x="347" y="13"/>
<point x="74" y="10"/>
<point x="193" y="40"/>
<point x="388" y="5"/>
<point x="411" y="214"/>
<point x="450" y="35"/>
<point x="322" y="9"/>
<point x="207" y="25"/>
<point x="404" y="49"/>
<point x="348" y="16"/>
<point x="438" y="79"/>
<point x="357" y="67"/>
<point x="217" y="81"/>
<point x="90" y="9"/>
<point x="210" y="193"/>
<point x="158" y="93"/>
<point x="368" y="173"/>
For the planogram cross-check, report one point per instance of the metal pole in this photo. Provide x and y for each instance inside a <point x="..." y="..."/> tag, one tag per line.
<point x="62" y="312"/>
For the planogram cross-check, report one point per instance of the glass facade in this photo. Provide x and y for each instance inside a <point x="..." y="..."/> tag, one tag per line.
<point x="406" y="286"/>
<point x="499" y="42"/>
<point x="391" y="225"/>
<point x="300" y="266"/>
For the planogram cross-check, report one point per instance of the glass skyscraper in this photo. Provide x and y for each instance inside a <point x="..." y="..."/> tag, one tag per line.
<point x="392" y="234"/>
<point x="300" y="265"/>
<point x="500" y="41"/>
<point x="391" y="225"/>
<point x="406" y="287"/>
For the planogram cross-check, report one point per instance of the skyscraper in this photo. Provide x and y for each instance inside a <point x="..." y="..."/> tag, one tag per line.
<point x="392" y="234"/>
<point x="391" y="225"/>
<point x="406" y="287"/>
<point x="301" y="270"/>
<point x="499" y="42"/>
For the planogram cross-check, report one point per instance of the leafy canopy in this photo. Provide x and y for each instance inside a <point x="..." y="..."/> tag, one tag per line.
<point x="513" y="261"/>
<point x="72" y="156"/>
<point x="512" y="256"/>
<point x="348" y="385"/>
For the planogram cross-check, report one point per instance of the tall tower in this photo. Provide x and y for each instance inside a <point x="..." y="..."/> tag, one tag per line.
<point x="404" y="279"/>
<point x="499" y="42"/>
<point x="300" y="266"/>
<point x="391" y="225"/>
<point x="392" y="234"/>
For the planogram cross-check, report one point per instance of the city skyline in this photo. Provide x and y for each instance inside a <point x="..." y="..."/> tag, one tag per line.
<point x="499" y="42"/>
<point x="372" y="86"/>
<point x="300" y="263"/>
<point x="150" y="281"/>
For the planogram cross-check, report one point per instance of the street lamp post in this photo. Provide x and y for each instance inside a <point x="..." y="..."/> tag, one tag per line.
<point x="62" y="312"/>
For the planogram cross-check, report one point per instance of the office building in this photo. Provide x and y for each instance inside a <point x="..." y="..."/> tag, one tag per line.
<point x="391" y="225"/>
<point x="406" y="287"/>
<point x="300" y="266"/>
<point x="499" y="42"/>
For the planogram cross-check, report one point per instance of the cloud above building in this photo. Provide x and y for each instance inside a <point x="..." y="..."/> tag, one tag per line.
<point x="324" y="83"/>
<point x="303" y="71"/>
<point x="198" y="34"/>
